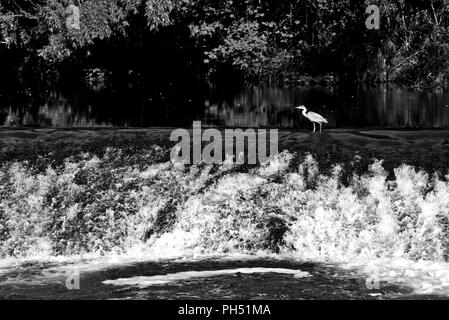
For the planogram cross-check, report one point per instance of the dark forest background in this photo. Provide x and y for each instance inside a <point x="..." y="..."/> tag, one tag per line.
<point x="156" y="42"/>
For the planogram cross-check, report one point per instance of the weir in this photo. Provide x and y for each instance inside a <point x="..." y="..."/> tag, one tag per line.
<point x="242" y="146"/>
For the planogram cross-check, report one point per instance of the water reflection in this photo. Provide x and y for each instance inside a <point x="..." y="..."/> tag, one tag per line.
<point x="343" y="107"/>
<point x="50" y="116"/>
<point x="55" y="110"/>
<point x="250" y="106"/>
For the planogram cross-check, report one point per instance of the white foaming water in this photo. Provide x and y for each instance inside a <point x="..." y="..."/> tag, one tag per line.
<point x="424" y="277"/>
<point x="372" y="225"/>
<point x="147" y="281"/>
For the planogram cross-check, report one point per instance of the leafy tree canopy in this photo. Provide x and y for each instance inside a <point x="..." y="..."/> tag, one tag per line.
<point x="263" y="40"/>
<point x="39" y="26"/>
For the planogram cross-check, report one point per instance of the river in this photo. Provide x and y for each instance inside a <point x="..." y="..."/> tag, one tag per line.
<point x="202" y="278"/>
<point x="241" y="106"/>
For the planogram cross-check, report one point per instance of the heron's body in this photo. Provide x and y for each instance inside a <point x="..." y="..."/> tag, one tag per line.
<point x="313" y="117"/>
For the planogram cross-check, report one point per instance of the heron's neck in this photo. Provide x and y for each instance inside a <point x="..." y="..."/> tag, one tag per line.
<point x="304" y="112"/>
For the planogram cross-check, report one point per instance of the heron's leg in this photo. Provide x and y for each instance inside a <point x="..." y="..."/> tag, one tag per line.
<point x="313" y="126"/>
<point x="320" y="126"/>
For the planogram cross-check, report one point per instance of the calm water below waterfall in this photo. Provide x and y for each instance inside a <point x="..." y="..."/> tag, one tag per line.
<point x="206" y="279"/>
<point x="247" y="106"/>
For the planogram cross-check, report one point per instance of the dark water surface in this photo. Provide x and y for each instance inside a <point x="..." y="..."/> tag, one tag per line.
<point x="323" y="282"/>
<point x="247" y="106"/>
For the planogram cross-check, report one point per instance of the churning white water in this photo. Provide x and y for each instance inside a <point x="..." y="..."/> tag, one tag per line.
<point x="393" y="230"/>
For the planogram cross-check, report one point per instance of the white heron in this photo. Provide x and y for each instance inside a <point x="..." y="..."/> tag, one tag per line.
<point x="313" y="117"/>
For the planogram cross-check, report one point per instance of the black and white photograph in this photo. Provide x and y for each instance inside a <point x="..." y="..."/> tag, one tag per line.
<point x="245" y="152"/>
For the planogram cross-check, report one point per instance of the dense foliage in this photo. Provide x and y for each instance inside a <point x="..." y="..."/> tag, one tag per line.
<point x="262" y="40"/>
<point x="40" y="26"/>
<point x="269" y="39"/>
